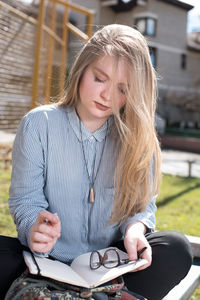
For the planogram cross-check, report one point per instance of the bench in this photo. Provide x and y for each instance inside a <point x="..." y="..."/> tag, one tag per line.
<point x="186" y="288"/>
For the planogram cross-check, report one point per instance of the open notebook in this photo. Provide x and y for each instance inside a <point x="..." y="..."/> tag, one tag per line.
<point x="79" y="272"/>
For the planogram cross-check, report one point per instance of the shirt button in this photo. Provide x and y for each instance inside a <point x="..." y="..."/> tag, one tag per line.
<point x="92" y="138"/>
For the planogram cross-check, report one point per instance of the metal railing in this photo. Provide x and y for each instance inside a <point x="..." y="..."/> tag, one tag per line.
<point x="67" y="26"/>
<point x="53" y="38"/>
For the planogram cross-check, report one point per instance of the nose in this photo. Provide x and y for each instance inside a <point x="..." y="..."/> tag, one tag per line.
<point x="106" y="93"/>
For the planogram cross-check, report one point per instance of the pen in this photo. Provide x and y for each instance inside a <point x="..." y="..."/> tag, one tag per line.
<point x="139" y="253"/>
<point x="46" y="220"/>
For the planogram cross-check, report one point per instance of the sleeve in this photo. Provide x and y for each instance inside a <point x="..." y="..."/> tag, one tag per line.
<point x="147" y="217"/>
<point x="26" y="196"/>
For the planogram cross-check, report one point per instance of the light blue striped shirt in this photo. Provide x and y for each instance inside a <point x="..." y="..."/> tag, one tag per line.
<point x="49" y="172"/>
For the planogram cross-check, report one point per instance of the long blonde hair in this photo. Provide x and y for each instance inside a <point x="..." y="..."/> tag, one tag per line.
<point x="137" y="175"/>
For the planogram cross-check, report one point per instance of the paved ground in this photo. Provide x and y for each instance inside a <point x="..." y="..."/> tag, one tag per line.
<point x="177" y="163"/>
<point x="6" y="138"/>
<point x="173" y="162"/>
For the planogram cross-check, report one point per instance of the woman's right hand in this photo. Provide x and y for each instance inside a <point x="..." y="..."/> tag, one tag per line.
<point x="45" y="234"/>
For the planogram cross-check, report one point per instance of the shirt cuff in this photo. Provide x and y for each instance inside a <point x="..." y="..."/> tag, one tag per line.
<point x="147" y="217"/>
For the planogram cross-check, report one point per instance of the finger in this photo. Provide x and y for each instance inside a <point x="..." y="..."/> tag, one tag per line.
<point x="52" y="220"/>
<point x="47" y="216"/>
<point x="42" y="247"/>
<point x="131" y="250"/>
<point x="38" y="237"/>
<point x="147" y="255"/>
<point x="57" y="226"/>
<point x="47" y="229"/>
<point x="144" y="266"/>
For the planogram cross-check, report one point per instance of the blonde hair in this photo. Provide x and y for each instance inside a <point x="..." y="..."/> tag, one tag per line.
<point x="137" y="174"/>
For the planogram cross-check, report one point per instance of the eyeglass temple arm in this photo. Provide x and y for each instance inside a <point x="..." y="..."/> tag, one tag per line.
<point x="139" y="253"/>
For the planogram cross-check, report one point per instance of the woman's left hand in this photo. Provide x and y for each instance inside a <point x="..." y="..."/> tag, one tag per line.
<point x="135" y="240"/>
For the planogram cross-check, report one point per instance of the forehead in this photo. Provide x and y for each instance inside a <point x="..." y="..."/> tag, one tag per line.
<point x="113" y="68"/>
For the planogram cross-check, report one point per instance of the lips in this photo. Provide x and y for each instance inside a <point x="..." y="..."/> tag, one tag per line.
<point x="101" y="106"/>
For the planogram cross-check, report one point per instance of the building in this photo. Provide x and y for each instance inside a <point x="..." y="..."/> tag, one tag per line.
<point x="177" y="63"/>
<point x="17" y="52"/>
<point x="175" y="55"/>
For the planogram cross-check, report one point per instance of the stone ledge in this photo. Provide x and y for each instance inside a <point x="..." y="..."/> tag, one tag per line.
<point x="195" y="244"/>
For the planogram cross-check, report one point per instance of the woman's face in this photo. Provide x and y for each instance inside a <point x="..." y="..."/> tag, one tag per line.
<point x="102" y="89"/>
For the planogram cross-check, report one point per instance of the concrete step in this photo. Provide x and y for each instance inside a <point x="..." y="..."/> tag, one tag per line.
<point x="195" y="244"/>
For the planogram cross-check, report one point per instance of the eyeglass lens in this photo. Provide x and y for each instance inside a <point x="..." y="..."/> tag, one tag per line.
<point x="111" y="259"/>
<point x="95" y="260"/>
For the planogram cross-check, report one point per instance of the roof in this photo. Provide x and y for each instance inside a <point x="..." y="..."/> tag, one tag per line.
<point x="178" y="3"/>
<point x="120" y="5"/>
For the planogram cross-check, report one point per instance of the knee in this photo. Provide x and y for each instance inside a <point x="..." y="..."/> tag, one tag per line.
<point x="177" y="251"/>
<point x="179" y="245"/>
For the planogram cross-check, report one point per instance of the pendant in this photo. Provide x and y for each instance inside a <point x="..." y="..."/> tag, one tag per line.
<point x="92" y="195"/>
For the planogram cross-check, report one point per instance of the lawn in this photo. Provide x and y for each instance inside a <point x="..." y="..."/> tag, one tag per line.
<point x="7" y="226"/>
<point x="178" y="206"/>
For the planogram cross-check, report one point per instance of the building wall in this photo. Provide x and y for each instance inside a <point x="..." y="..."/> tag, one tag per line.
<point x="172" y="22"/>
<point x="193" y="68"/>
<point x="170" y="42"/>
<point x="127" y="18"/>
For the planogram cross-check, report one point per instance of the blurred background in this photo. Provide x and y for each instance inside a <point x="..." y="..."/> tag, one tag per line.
<point x="39" y="40"/>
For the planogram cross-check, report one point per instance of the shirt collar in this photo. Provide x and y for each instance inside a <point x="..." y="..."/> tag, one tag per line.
<point x="86" y="134"/>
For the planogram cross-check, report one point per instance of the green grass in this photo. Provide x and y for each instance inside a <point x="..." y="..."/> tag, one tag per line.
<point x="7" y="226"/>
<point x="178" y="207"/>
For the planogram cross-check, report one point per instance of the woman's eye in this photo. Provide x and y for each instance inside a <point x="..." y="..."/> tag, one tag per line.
<point x="122" y="91"/>
<point x="98" y="79"/>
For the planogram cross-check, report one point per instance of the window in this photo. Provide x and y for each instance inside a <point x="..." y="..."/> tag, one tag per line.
<point x="141" y="25"/>
<point x="146" y="25"/>
<point x="183" y="61"/>
<point x="150" y="27"/>
<point x="153" y="51"/>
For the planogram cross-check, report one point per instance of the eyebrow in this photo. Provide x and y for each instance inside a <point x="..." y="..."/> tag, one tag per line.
<point x="103" y="73"/>
<point x="100" y="71"/>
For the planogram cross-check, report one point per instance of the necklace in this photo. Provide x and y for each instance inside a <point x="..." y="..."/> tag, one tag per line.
<point x="93" y="177"/>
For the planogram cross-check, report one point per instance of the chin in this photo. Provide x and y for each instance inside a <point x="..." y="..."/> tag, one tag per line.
<point x="102" y="115"/>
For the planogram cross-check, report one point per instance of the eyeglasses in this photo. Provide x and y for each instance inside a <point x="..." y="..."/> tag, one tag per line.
<point x="110" y="259"/>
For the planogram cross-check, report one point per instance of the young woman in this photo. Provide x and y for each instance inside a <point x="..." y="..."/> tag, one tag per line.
<point x="86" y="171"/>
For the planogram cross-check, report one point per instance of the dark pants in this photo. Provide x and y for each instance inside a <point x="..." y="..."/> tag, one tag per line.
<point x="171" y="262"/>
